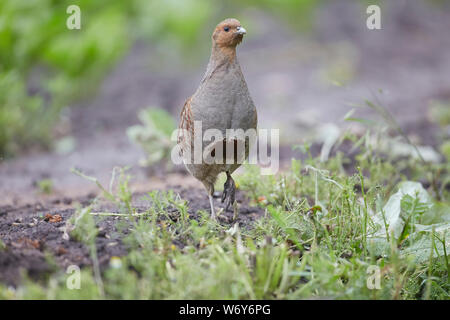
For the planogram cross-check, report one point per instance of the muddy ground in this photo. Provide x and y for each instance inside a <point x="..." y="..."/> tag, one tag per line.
<point x="288" y="74"/>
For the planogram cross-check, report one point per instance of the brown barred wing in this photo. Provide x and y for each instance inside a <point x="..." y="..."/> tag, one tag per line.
<point x="186" y="127"/>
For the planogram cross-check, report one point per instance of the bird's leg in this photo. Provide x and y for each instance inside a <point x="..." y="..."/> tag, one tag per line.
<point x="210" y="189"/>
<point x="229" y="191"/>
<point x="213" y="213"/>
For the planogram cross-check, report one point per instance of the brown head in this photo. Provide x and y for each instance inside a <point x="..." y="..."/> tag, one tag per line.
<point x="228" y="34"/>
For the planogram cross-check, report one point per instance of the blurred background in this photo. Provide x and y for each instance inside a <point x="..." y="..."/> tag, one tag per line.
<point x="108" y="95"/>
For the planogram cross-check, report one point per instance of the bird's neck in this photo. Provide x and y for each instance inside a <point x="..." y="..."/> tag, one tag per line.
<point x="222" y="55"/>
<point x="222" y="58"/>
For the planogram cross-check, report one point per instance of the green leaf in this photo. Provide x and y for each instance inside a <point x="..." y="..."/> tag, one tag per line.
<point x="409" y="201"/>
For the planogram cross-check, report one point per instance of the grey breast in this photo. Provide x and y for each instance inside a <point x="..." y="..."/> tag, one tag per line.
<point x="223" y="101"/>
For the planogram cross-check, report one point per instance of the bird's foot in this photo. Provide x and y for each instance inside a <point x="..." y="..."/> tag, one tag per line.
<point x="229" y="191"/>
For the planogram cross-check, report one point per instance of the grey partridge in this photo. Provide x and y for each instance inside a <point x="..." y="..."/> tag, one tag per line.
<point x="221" y="102"/>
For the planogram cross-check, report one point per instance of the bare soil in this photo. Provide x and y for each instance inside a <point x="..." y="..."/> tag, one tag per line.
<point x="33" y="234"/>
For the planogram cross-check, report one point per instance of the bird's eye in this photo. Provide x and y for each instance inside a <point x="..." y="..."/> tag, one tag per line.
<point x="226" y="29"/>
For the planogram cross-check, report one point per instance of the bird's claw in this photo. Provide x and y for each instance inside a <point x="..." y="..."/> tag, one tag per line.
<point x="229" y="192"/>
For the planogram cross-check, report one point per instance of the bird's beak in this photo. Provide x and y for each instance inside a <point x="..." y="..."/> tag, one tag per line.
<point x="241" y="30"/>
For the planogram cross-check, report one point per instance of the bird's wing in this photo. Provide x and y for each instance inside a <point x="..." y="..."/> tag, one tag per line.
<point x="186" y="127"/>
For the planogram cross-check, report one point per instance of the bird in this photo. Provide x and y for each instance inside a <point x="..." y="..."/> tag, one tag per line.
<point x="222" y="101"/>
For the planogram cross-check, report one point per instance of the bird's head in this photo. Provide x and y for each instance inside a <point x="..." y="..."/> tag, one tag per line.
<point x="228" y="33"/>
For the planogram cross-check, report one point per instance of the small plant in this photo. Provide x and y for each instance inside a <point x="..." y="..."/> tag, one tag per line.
<point x="154" y="135"/>
<point x="440" y="112"/>
<point x="45" y="186"/>
<point x="121" y="196"/>
<point x="83" y="228"/>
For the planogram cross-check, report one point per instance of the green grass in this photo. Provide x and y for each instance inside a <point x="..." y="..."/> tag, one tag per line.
<point x="318" y="238"/>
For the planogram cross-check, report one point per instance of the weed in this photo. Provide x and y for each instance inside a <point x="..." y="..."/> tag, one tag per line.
<point x="45" y="186"/>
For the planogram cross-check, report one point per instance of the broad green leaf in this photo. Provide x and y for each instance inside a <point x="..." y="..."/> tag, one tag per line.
<point x="416" y="201"/>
